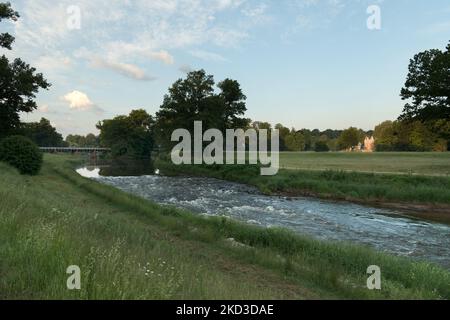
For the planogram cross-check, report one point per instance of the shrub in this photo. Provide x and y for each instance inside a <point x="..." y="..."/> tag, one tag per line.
<point x="21" y="153"/>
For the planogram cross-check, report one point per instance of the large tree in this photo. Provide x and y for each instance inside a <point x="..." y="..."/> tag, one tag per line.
<point x="194" y="99"/>
<point x="349" y="138"/>
<point x="427" y="86"/>
<point x="42" y="133"/>
<point x="128" y="136"/>
<point x="19" y="82"/>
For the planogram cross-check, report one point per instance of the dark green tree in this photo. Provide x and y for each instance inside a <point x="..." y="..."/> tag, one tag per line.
<point x="88" y="141"/>
<point x="193" y="99"/>
<point x="321" y="146"/>
<point x="6" y="12"/>
<point x="427" y="86"/>
<point x="128" y="136"/>
<point x="349" y="138"/>
<point x="19" y="82"/>
<point x="42" y="133"/>
<point x="233" y="100"/>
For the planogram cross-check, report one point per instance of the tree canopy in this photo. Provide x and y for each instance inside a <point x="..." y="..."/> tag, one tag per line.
<point x="6" y="12"/>
<point x="194" y="99"/>
<point x="350" y="138"/>
<point x="88" y="141"/>
<point x="42" y="133"/>
<point x="128" y="136"/>
<point x="427" y="86"/>
<point x="19" y="82"/>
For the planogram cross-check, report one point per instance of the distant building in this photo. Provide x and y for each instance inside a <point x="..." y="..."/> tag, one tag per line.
<point x="369" y="144"/>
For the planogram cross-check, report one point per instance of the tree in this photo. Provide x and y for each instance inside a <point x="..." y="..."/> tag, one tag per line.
<point x="284" y="133"/>
<point x="193" y="99"/>
<point x="384" y="133"/>
<point x="19" y="82"/>
<point x="42" y="133"/>
<point x="349" y="138"/>
<point x="88" y="141"/>
<point x="321" y="146"/>
<point x="407" y="136"/>
<point x="234" y="104"/>
<point x="295" y="141"/>
<point x="427" y="86"/>
<point x="6" y="12"/>
<point x="128" y="136"/>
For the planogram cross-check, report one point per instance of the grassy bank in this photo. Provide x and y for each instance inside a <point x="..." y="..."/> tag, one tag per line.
<point x="128" y="247"/>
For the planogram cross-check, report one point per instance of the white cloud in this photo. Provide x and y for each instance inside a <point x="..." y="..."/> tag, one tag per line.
<point x="153" y="25"/>
<point x="126" y="69"/>
<point x="113" y="62"/>
<point x="53" y="62"/>
<point x="162" y="56"/>
<point x="207" y="56"/>
<point x="44" y="108"/>
<point x="78" y="100"/>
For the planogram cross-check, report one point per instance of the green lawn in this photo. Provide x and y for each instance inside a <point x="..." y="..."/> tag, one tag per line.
<point x="429" y="163"/>
<point x="130" y="248"/>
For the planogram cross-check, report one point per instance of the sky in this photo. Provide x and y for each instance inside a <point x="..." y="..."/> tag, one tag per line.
<point x="303" y="63"/>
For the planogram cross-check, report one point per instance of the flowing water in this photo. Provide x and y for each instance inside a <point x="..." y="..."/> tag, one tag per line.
<point x="382" y="229"/>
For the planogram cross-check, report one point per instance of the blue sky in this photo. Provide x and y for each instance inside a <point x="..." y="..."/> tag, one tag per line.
<point x="304" y="63"/>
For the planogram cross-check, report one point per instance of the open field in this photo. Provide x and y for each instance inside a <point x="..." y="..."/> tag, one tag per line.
<point x="424" y="163"/>
<point x="128" y="247"/>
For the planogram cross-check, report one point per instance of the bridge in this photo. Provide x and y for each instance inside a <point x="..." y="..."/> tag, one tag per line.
<point x="73" y="150"/>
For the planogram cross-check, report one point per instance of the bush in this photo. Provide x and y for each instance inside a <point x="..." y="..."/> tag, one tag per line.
<point x="21" y="153"/>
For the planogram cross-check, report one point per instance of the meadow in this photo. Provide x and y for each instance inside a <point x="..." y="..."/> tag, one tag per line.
<point x="131" y="248"/>
<point x="418" y="163"/>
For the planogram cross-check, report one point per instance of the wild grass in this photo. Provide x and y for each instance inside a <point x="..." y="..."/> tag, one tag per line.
<point x="130" y="248"/>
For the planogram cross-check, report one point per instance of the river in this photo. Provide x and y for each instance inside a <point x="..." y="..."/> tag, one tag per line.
<point x="385" y="230"/>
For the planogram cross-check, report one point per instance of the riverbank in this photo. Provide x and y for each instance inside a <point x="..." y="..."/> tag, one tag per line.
<point x="130" y="248"/>
<point x="424" y="197"/>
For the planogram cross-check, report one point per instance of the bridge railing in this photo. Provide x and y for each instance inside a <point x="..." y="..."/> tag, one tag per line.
<point x="73" y="149"/>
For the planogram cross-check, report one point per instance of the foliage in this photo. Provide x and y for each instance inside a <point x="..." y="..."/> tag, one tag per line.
<point x="88" y="141"/>
<point x="193" y="99"/>
<point x="6" y="12"/>
<point x="128" y="136"/>
<point x="21" y="153"/>
<point x="321" y="146"/>
<point x="19" y="82"/>
<point x="349" y="138"/>
<point x="42" y="133"/>
<point x="407" y="136"/>
<point x="428" y="86"/>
